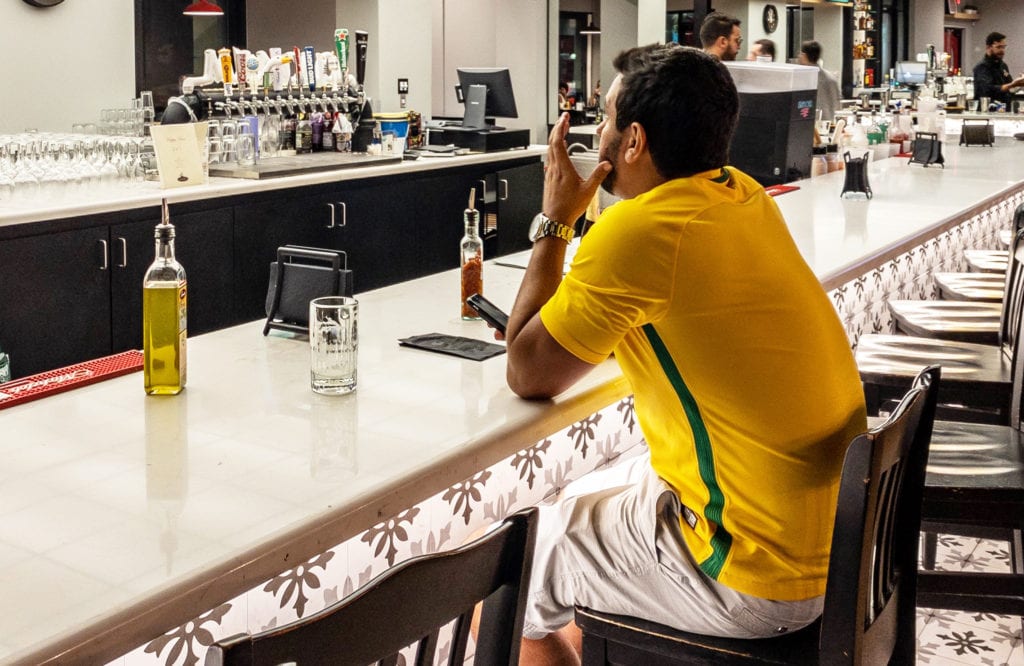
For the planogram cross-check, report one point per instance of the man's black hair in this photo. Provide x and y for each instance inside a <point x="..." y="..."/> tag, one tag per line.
<point x="767" y="47"/>
<point x="686" y="102"/>
<point x="994" y="37"/>
<point x="812" y="50"/>
<point x="716" y="25"/>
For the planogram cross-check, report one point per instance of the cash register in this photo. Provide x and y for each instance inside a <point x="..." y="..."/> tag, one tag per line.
<point x="486" y="94"/>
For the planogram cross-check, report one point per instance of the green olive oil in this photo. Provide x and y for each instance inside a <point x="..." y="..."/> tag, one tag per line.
<point x="164" y="316"/>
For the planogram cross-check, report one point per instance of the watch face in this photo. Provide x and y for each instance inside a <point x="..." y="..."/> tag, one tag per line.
<point x="770" y="18"/>
<point x="535" y="227"/>
<point x="44" y="3"/>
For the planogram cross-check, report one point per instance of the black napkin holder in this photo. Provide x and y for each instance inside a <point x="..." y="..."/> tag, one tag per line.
<point x="856" y="181"/>
<point x="977" y="132"/>
<point x="927" y="150"/>
<point x="299" y="275"/>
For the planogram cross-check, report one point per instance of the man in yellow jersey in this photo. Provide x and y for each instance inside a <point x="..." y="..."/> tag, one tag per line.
<point x="744" y="382"/>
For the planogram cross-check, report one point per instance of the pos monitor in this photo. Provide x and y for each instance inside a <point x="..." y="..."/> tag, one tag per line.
<point x="910" y="73"/>
<point x="486" y="92"/>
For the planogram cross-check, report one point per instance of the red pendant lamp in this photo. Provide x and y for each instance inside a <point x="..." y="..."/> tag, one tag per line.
<point x="203" y="8"/>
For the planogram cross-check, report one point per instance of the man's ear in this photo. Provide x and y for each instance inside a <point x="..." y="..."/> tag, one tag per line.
<point x="636" y="145"/>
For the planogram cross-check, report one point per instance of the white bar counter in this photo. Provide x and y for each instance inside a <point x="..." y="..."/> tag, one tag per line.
<point x="84" y="471"/>
<point x="122" y="515"/>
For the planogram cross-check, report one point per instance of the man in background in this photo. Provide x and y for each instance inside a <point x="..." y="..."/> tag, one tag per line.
<point x="720" y="36"/>
<point x="762" y="49"/>
<point x="828" y="85"/>
<point x="991" y="76"/>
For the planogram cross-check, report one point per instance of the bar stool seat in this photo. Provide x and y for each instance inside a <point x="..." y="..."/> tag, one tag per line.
<point x="965" y="321"/>
<point x="976" y="379"/>
<point x="961" y="286"/>
<point x="978" y="287"/>
<point x="987" y="261"/>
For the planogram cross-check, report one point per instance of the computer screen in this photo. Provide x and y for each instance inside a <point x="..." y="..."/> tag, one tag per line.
<point x="500" y="101"/>
<point x="911" y="73"/>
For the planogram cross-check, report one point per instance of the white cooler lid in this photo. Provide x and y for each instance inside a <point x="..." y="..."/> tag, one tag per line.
<point x="769" y="77"/>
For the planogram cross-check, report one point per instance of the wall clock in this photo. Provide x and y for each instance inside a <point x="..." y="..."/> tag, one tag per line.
<point x="44" y="3"/>
<point x="770" y="18"/>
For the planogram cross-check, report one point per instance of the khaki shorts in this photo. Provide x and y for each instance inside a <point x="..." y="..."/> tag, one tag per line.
<point x="612" y="542"/>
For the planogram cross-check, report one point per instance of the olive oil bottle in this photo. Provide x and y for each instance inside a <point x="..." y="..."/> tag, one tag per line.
<point x="164" y="316"/>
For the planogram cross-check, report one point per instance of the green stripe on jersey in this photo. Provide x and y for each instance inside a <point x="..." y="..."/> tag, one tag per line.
<point x="721" y="540"/>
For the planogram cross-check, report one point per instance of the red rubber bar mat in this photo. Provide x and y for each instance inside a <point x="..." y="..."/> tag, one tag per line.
<point x="776" y="190"/>
<point x="64" y="379"/>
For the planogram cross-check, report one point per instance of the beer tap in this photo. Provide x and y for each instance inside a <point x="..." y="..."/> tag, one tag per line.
<point x="224" y="107"/>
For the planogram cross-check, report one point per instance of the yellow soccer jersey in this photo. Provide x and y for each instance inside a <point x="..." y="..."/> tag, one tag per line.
<point x="744" y="381"/>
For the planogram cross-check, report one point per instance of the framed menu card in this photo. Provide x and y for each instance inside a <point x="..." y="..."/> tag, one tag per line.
<point x="180" y="154"/>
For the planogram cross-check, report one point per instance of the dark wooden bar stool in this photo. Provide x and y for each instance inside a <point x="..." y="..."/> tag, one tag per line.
<point x="975" y="487"/>
<point x="964" y="321"/>
<point x="407" y="605"/>
<point x="987" y="261"/>
<point x="977" y="379"/>
<point x="869" y="615"/>
<point x="978" y="285"/>
<point x="981" y="287"/>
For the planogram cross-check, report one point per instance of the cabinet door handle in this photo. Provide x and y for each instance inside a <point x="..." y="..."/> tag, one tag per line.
<point x="344" y="213"/>
<point x="124" y="252"/>
<point x="502" y="189"/>
<point x="106" y="255"/>
<point x="331" y="225"/>
<point x="483" y="192"/>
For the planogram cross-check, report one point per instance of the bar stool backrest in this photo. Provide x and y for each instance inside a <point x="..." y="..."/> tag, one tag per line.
<point x="407" y="605"/>
<point x="870" y="609"/>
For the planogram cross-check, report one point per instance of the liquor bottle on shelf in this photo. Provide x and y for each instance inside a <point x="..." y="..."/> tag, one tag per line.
<point x="471" y="249"/>
<point x="164" y="315"/>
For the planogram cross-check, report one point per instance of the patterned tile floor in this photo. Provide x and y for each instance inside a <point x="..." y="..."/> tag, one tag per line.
<point x="947" y="637"/>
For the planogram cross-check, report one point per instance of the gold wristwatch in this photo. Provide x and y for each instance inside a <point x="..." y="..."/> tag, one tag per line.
<point x="543" y="226"/>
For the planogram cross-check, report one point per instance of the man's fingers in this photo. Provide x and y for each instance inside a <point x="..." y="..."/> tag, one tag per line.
<point x="597" y="177"/>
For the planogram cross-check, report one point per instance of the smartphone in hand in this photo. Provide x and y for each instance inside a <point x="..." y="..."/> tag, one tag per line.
<point x="489" y="312"/>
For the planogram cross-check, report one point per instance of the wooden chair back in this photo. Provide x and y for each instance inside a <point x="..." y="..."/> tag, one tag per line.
<point x="869" y="615"/>
<point x="408" y="605"/>
<point x="1013" y="299"/>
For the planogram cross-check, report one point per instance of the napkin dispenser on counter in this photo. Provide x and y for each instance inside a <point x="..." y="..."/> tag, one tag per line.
<point x="299" y="275"/>
<point x="856" y="185"/>
<point x="977" y="132"/>
<point x="927" y="150"/>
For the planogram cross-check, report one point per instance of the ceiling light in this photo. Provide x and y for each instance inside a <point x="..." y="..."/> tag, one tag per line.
<point x="203" y="8"/>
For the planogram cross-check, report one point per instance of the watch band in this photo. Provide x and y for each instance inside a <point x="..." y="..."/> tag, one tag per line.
<point x="545" y="226"/>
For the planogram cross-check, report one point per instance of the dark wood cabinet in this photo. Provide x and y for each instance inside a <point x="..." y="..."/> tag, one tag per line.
<point x="263" y="226"/>
<point x="54" y="299"/>
<point x="72" y="288"/>
<point x="74" y="295"/>
<point x="519" y="199"/>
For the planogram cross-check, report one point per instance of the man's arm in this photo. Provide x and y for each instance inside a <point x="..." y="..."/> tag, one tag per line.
<point x="539" y="367"/>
